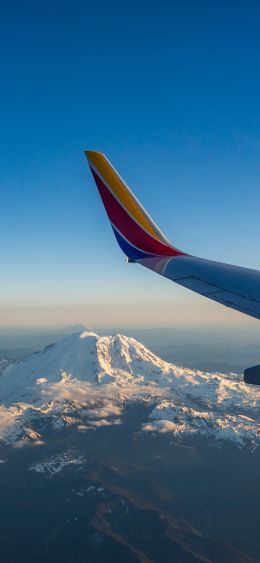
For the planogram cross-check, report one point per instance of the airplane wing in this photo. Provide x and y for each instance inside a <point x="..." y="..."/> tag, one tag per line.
<point x="143" y="242"/>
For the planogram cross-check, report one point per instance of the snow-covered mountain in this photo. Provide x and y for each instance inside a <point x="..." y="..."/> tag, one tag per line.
<point x="87" y="380"/>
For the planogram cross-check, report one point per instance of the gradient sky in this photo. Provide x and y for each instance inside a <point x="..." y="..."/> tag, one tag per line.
<point x="170" y="92"/>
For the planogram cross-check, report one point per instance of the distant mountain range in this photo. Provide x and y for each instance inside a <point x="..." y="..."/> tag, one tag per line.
<point x="88" y="380"/>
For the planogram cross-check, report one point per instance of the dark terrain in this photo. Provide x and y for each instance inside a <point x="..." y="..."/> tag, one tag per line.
<point x="136" y="497"/>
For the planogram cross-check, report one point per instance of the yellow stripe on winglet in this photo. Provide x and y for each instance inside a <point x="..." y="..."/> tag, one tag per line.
<point x="122" y="192"/>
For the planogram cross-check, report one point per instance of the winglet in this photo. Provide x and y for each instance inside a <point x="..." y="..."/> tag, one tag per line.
<point x="135" y="231"/>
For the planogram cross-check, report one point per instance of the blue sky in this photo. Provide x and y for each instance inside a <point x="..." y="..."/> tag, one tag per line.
<point x="170" y="92"/>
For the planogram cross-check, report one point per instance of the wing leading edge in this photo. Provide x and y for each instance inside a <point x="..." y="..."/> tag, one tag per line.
<point x="143" y="242"/>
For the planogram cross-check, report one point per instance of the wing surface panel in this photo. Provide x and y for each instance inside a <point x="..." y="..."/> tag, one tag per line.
<point x="232" y="286"/>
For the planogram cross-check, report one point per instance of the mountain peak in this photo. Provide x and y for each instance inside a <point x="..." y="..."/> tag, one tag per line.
<point x="87" y="333"/>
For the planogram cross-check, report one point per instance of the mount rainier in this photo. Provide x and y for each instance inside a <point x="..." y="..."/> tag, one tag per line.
<point x="88" y="380"/>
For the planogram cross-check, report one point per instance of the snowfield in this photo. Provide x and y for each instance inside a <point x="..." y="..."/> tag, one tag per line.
<point x="87" y="380"/>
<point x="56" y="463"/>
